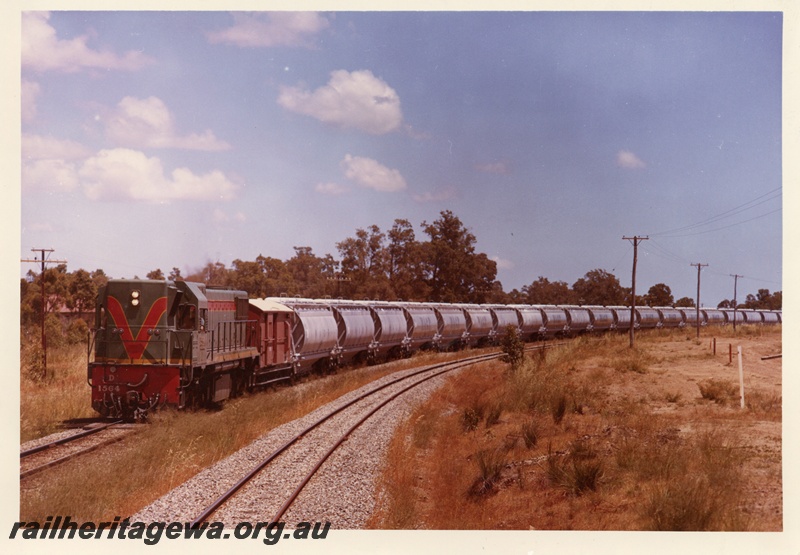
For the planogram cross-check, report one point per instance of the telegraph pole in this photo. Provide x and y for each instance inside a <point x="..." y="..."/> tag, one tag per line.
<point x="698" y="295"/>
<point x="44" y="262"/>
<point x="635" y="240"/>
<point x="735" y="282"/>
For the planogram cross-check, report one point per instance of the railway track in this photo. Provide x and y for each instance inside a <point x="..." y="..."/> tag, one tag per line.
<point x="301" y="455"/>
<point x="53" y="453"/>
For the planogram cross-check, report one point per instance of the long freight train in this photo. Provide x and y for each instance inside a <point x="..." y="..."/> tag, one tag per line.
<point x="182" y="344"/>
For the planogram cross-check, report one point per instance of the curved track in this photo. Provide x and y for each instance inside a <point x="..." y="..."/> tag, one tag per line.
<point x="366" y="406"/>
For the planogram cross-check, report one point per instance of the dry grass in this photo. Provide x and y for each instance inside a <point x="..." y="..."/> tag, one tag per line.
<point x="62" y="394"/>
<point x="174" y="447"/>
<point x="587" y="438"/>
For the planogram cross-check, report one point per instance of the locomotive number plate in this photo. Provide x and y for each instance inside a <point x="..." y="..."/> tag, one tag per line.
<point x="104" y="388"/>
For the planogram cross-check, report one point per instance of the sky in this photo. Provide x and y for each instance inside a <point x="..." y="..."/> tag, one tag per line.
<point x="173" y="139"/>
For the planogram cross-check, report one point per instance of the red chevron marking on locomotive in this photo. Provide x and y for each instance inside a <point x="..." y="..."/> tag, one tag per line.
<point x="135" y="347"/>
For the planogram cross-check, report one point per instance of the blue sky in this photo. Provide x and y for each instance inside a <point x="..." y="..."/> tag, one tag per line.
<point x="160" y="139"/>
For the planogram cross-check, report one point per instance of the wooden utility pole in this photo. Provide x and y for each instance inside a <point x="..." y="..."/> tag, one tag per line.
<point x="44" y="262"/>
<point x="735" y="282"/>
<point x="698" y="295"/>
<point x="635" y="240"/>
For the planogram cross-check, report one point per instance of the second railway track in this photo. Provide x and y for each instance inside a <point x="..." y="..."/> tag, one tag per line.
<point x="348" y="435"/>
<point x="48" y="455"/>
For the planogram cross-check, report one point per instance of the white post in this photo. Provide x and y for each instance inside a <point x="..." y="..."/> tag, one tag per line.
<point x="741" y="375"/>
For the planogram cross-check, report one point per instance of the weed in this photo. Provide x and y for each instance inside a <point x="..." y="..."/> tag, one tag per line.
<point x="490" y="464"/>
<point x="673" y="397"/>
<point x="493" y="415"/>
<point x="578" y="471"/>
<point x="682" y="505"/>
<point x="558" y="408"/>
<point x="470" y="419"/>
<point x="719" y="391"/>
<point x="530" y="433"/>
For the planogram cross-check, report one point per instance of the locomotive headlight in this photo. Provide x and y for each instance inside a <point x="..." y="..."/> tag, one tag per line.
<point x="135" y="298"/>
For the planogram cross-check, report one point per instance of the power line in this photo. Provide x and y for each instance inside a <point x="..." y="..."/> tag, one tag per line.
<point x="728" y="213"/>
<point x="725" y="227"/>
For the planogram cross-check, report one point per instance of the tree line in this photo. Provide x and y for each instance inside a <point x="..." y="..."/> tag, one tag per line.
<point x="393" y="265"/>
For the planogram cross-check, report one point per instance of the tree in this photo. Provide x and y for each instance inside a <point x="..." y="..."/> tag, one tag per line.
<point x="364" y="262"/>
<point x="544" y="291"/>
<point x="764" y="300"/>
<point x="659" y="295"/>
<point x="599" y="287"/>
<point x="452" y="269"/>
<point x="249" y="277"/>
<point x="155" y="274"/>
<point x="307" y="273"/>
<point x="404" y="263"/>
<point x="684" y="302"/>
<point x="278" y="278"/>
<point x="82" y="292"/>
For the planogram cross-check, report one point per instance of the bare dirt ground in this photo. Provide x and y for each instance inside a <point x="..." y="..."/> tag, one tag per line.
<point x="682" y="365"/>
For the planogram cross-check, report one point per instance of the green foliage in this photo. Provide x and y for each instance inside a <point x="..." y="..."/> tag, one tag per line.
<point x="599" y="287"/>
<point x="513" y="347"/>
<point x="659" y="295"/>
<point x="543" y="291"/>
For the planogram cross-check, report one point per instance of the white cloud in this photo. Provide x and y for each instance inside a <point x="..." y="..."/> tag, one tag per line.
<point x="372" y="175"/>
<point x="57" y="175"/>
<point x="42" y="50"/>
<point x="123" y="174"/>
<point x="502" y="263"/>
<point x="356" y="100"/>
<point x="30" y="94"/>
<point x="272" y="29"/>
<point x="37" y="147"/>
<point x="627" y="159"/>
<point x="148" y="123"/>
<point x="49" y="163"/>
<point x="333" y="189"/>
